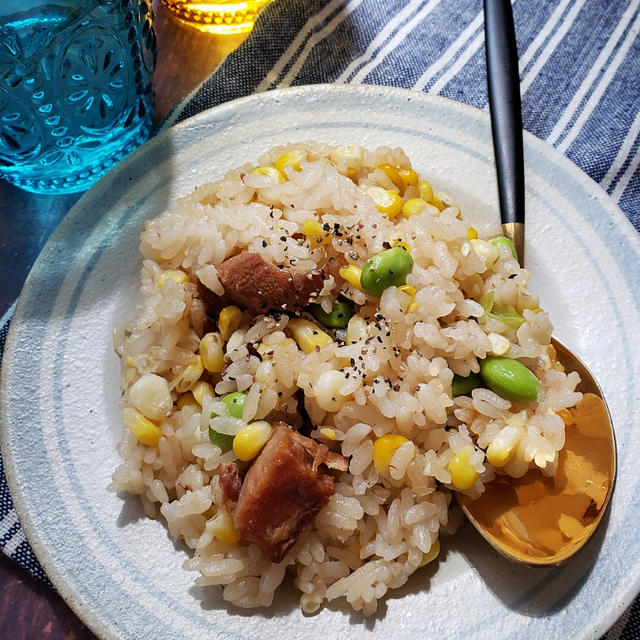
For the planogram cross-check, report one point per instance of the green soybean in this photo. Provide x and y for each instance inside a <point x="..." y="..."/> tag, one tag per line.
<point x="235" y="403"/>
<point x="501" y="241"/>
<point x="222" y="440"/>
<point x="386" y="269"/>
<point x="339" y="316"/>
<point x="510" y="379"/>
<point x="464" y="385"/>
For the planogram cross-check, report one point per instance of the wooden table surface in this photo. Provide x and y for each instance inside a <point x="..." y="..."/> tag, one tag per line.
<point x="29" y="609"/>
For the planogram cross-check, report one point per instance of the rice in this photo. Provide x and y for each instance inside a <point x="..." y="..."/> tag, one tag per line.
<point x="396" y="361"/>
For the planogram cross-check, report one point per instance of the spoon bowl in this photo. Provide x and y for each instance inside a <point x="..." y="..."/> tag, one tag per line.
<point x="539" y="520"/>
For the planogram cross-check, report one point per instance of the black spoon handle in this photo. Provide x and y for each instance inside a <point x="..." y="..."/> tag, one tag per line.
<point x="503" y="81"/>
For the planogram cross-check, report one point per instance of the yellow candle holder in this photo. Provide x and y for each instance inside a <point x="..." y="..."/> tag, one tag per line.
<point x="217" y="16"/>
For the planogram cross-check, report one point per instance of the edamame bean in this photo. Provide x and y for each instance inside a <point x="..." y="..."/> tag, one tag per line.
<point x="463" y="386"/>
<point x="235" y="403"/>
<point x="510" y="379"/>
<point x="339" y="316"/>
<point x="386" y="269"/>
<point x="222" y="440"/>
<point x="501" y="241"/>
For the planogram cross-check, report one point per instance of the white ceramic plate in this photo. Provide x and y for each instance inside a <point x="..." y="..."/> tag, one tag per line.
<point x="120" y="571"/>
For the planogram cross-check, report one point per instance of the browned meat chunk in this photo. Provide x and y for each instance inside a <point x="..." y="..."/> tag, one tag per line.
<point x="283" y="491"/>
<point x="230" y="482"/>
<point x="251" y="282"/>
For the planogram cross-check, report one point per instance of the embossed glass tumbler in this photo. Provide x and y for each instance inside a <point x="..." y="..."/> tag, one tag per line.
<point x="75" y="89"/>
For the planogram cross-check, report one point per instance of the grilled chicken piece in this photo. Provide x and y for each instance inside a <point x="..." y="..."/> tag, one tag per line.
<point x="283" y="491"/>
<point x="252" y="283"/>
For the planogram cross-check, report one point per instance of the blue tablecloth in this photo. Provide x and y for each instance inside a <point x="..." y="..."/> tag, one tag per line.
<point x="580" y="85"/>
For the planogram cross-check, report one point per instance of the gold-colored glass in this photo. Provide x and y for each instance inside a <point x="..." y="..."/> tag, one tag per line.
<point x="217" y="16"/>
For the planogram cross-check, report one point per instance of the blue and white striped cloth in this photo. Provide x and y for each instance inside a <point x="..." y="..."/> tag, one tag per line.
<point x="580" y="85"/>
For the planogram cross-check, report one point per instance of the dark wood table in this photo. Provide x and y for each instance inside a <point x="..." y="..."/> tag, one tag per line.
<point x="30" y="609"/>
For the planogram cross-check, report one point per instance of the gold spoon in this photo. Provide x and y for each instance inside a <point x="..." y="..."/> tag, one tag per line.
<point x="536" y="520"/>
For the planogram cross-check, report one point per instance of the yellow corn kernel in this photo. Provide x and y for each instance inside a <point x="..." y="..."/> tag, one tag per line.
<point x="357" y="329"/>
<point x="189" y="375"/>
<point x="463" y="475"/>
<point x="431" y="555"/>
<point x="316" y="235"/>
<point x="142" y="428"/>
<point x="229" y="320"/>
<point x="407" y="178"/>
<point x="399" y="242"/>
<point x="201" y="389"/>
<point x="472" y="234"/>
<point x="179" y="277"/>
<point x="291" y="159"/>
<point x="151" y="396"/>
<point x="187" y="400"/>
<point x="499" y="344"/>
<point x="440" y="200"/>
<point x="248" y="442"/>
<point x="330" y="434"/>
<point x="221" y="527"/>
<point x="391" y="172"/>
<point x="488" y="252"/>
<point x="211" y="352"/>
<point x="307" y="335"/>
<point x="425" y="190"/>
<point x="504" y="445"/>
<point x="272" y="172"/>
<point x="328" y="386"/>
<point x="387" y="201"/>
<point x="351" y="273"/>
<point x="383" y="450"/>
<point x="414" y="206"/>
<point x="350" y="155"/>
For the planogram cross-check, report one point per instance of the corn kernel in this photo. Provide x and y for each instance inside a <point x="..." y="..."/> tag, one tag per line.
<point x="179" y="277"/>
<point x="391" y="172"/>
<point x="151" y="396"/>
<point x="463" y="475"/>
<point x="383" y="450"/>
<point x="291" y="159"/>
<point x="189" y="375"/>
<point x="142" y="428"/>
<point x="472" y="234"/>
<point x="349" y="154"/>
<point x="407" y="178"/>
<point x="307" y="335"/>
<point x="211" y="352"/>
<point x="425" y="190"/>
<point x="316" y="235"/>
<point x="229" y="320"/>
<point x="187" y="400"/>
<point x="248" y="442"/>
<point x="488" y="252"/>
<point x="357" y="329"/>
<point x="352" y="274"/>
<point x="328" y="386"/>
<point x="221" y="527"/>
<point x="441" y="201"/>
<point x="387" y="201"/>
<point x="201" y="389"/>
<point x="272" y="172"/>
<point x="414" y="206"/>
<point x="499" y="344"/>
<point x="504" y="445"/>
<point x="431" y="555"/>
<point x="330" y="434"/>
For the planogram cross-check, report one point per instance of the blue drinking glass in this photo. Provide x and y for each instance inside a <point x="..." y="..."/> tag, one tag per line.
<point x="75" y="89"/>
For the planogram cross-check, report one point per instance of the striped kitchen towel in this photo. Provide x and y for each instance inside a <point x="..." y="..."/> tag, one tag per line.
<point x="580" y="85"/>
